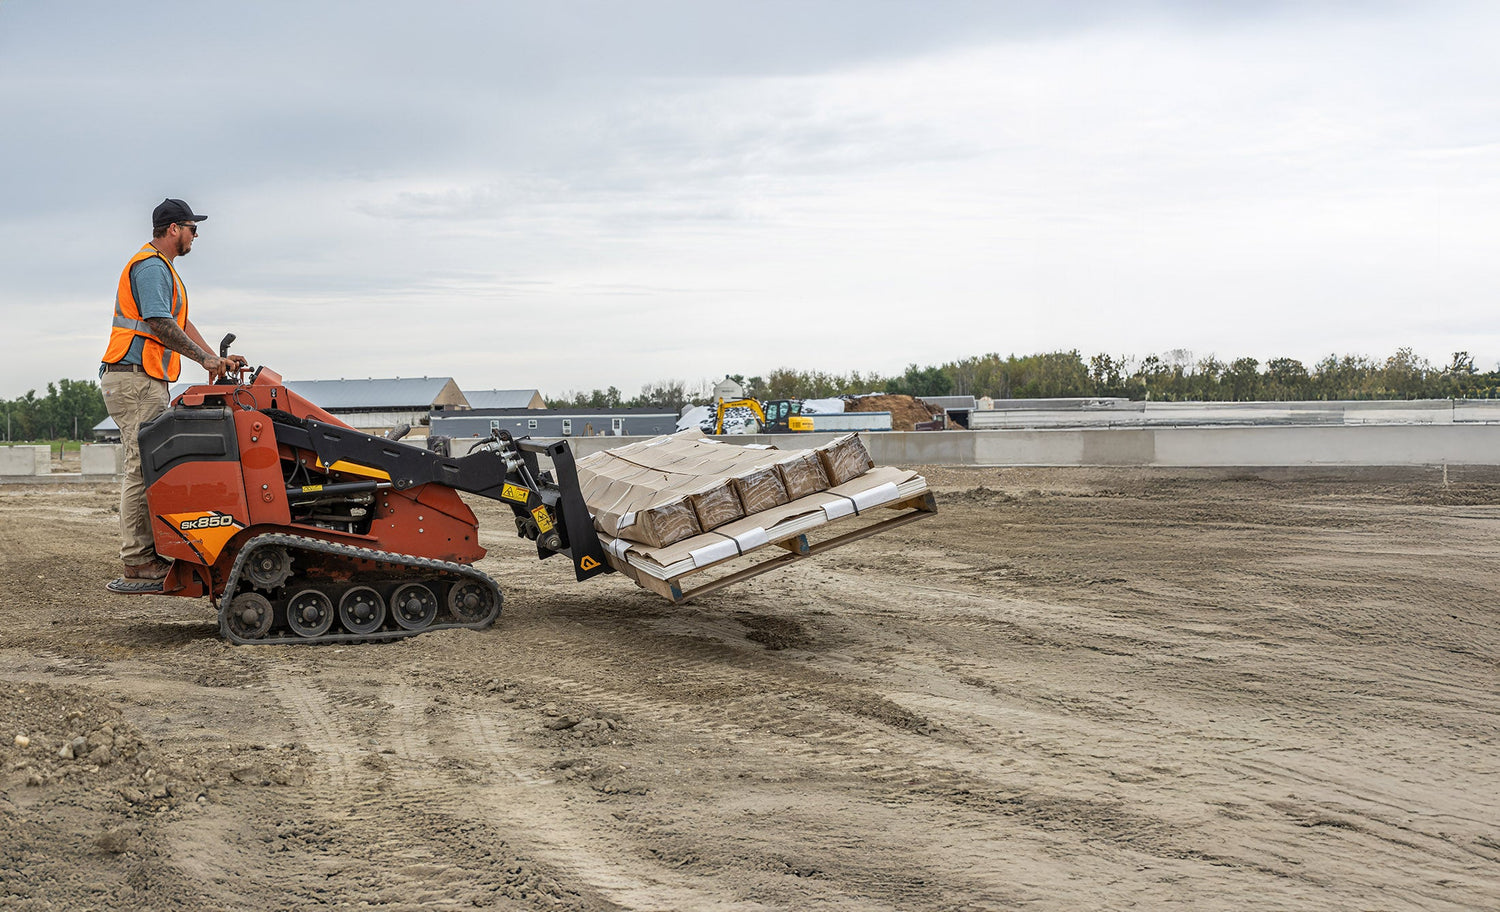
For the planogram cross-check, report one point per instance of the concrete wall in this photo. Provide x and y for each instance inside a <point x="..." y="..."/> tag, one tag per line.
<point x="1331" y="445"/>
<point x="1347" y="446"/>
<point x="100" y="458"/>
<point x="1124" y="413"/>
<point x="25" y="460"/>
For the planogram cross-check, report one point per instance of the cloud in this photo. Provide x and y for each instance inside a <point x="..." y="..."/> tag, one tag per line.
<point x="627" y="187"/>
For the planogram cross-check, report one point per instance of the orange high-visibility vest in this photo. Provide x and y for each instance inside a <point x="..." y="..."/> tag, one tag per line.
<point x="158" y="360"/>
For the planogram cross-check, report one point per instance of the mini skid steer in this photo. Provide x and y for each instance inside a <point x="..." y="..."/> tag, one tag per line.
<point x="301" y="529"/>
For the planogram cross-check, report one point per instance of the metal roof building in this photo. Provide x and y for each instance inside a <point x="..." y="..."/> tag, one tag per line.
<point x="381" y="394"/>
<point x="505" y="399"/>
<point x="377" y="404"/>
<point x="374" y="405"/>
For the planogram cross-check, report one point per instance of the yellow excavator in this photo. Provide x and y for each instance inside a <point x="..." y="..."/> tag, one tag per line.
<point x="776" y="416"/>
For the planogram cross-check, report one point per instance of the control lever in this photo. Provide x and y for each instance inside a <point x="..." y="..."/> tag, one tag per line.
<point x="227" y="377"/>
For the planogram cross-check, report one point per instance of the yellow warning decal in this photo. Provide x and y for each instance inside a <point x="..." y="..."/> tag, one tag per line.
<point x="353" y="469"/>
<point x="207" y="531"/>
<point x="588" y="563"/>
<point x="543" y="519"/>
<point x="514" y="492"/>
<point x="308" y="489"/>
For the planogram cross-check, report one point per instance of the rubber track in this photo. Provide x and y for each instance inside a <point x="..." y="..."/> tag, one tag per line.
<point x="285" y="635"/>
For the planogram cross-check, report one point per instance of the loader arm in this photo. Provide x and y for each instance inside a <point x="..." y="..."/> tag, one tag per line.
<point x="549" y="509"/>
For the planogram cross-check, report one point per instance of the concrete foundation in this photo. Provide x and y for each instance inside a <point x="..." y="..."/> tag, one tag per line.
<point x="98" y="459"/>
<point x="25" y="460"/>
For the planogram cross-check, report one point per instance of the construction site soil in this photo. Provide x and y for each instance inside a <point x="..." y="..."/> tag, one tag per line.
<point x="1070" y="689"/>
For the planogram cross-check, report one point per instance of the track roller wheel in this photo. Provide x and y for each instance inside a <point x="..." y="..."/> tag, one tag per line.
<point x="413" y="606"/>
<point x="250" y="615"/>
<point x="469" y="600"/>
<point x="361" y="610"/>
<point x="309" y="613"/>
<point x="268" y="568"/>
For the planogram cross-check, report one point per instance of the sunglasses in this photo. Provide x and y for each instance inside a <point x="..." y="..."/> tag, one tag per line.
<point x="190" y="226"/>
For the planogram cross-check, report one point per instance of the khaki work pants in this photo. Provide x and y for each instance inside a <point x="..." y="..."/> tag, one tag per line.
<point x="133" y="398"/>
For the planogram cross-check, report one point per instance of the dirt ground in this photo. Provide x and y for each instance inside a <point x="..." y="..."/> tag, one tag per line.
<point x="1070" y="689"/>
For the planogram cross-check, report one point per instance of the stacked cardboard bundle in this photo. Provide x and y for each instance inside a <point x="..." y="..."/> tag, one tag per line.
<point x="672" y="504"/>
<point x="663" y="490"/>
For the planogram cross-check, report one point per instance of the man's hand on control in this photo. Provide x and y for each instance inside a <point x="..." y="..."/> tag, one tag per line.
<point x="217" y="366"/>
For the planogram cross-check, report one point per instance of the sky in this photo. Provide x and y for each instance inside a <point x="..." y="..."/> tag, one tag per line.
<point x="567" y="195"/>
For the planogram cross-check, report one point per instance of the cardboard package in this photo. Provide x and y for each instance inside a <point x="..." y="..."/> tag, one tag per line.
<point x="845" y="459"/>
<point x="803" y="474"/>
<point x="761" y="489"/>
<point x="644" y="513"/>
<point x="716" y="504"/>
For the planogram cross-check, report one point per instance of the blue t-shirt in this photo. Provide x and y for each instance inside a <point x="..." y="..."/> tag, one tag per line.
<point x="151" y="281"/>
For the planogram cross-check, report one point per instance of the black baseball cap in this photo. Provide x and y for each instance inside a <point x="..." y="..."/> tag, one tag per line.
<point x="173" y="210"/>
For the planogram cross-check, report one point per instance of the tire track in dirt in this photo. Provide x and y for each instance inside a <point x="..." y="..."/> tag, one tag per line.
<point x="311" y="716"/>
<point x="1133" y="757"/>
<point x="363" y="793"/>
<point x="508" y="799"/>
<point x="786" y="713"/>
<point x="1152" y="835"/>
<point x="575" y="839"/>
<point x="750" y="711"/>
<point x="895" y="769"/>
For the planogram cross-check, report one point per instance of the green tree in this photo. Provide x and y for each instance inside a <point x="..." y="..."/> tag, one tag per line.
<point x="921" y="381"/>
<point x="1287" y="379"/>
<point x="1108" y="375"/>
<point x="70" y="409"/>
<point x="668" y="394"/>
<point x="1405" y="375"/>
<point x="1243" y="380"/>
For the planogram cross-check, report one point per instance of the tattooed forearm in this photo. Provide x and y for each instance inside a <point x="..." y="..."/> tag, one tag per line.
<point x="172" y="336"/>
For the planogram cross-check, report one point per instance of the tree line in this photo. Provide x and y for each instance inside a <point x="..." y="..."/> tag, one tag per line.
<point x="69" y="410"/>
<point x="1176" y="376"/>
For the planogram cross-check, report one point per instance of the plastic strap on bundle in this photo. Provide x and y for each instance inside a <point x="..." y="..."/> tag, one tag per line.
<point x="840" y="508"/>
<point x="713" y="553"/>
<point x="876" y="496"/>
<point x="752" y="539"/>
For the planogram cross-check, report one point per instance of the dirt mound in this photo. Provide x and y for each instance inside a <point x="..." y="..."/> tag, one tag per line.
<point x="62" y="735"/>
<point x="906" y="411"/>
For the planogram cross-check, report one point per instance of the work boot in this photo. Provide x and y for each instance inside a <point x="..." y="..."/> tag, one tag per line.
<point x="154" y="569"/>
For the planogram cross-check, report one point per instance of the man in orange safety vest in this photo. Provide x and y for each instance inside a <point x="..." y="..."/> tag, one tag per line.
<point x="148" y="337"/>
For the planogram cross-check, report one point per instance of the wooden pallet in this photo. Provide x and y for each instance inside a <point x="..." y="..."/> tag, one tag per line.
<point x="796" y="547"/>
